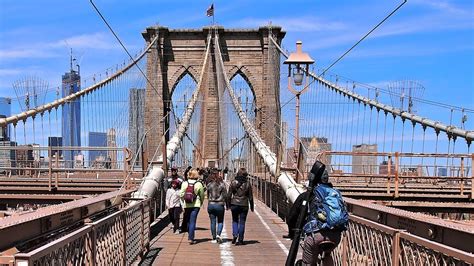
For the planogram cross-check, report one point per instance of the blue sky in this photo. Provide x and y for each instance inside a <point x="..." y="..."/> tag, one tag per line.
<point x="428" y="41"/>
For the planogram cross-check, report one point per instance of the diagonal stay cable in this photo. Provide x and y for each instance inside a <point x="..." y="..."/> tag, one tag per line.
<point x="350" y="49"/>
<point x="123" y="46"/>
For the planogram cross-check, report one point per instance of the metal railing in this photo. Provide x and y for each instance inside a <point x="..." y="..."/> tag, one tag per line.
<point x="370" y="243"/>
<point x="118" y="239"/>
<point x="50" y="162"/>
<point x="367" y="242"/>
<point x="391" y="170"/>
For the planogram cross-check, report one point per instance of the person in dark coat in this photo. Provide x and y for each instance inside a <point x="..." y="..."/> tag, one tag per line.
<point x="240" y="199"/>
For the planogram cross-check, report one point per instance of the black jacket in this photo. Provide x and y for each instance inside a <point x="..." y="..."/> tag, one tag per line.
<point x="240" y="194"/>
<point x="292" y="216"/>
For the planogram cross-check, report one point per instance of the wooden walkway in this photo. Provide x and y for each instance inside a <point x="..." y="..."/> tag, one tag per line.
<point x="264" y="244"/>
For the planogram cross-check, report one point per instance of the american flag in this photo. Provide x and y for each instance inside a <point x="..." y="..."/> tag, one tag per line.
<point x="210" y="11"/>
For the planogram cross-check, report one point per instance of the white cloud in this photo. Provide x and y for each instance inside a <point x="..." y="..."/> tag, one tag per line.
<point x="442" y="5"/>
<point x="98" y="41"/>
<point x="26" y="53"/>
<point x="9" y="72"/>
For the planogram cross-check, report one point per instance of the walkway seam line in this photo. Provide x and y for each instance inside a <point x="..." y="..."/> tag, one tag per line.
<point x="283" y="247"/>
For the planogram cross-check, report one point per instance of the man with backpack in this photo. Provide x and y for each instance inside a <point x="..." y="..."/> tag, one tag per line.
<point x="192" y="193"/>
<point x="322" y="217"/>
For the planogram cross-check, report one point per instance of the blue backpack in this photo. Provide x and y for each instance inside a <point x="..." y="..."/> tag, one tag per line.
<point x="327" y="210"/>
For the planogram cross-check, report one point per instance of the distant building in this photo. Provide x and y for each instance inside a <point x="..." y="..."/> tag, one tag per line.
<point x="112" y="143"/>
<point x="25" y="159"/>
<point x="364" y="164"/>
<point x="97" y="139"/>
<point x="55" y="142"/>
<point x="7" y="157"/>
<point x="79" y="161"/>
<point x="442" y="171"/>
<point x="412" y="171"/>
<point x="71" y="115"/>
<point x="315" y="146"/>
<point x="136" y="125"/>
<point x="384" y="170"/>
<point x="5" y="111"/>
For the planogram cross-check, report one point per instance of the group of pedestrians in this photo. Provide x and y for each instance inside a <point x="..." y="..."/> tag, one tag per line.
<point x="188" y="194"/>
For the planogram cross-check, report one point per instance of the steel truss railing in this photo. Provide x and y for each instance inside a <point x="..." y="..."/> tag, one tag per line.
<point x="118" y="239"/>
<point x="451" y="131"/>
<point x="379" y="235"/>
<point x="59" y="102"/>
<point x="397" y="170"/>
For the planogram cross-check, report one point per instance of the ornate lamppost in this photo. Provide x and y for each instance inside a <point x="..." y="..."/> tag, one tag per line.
<point x="298" y="68"/>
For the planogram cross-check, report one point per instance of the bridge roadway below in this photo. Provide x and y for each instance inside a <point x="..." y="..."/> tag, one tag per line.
<point x="263" y="244"/>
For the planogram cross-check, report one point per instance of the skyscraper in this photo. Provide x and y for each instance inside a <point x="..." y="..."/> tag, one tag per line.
<point x="136" y="117"/>
<point x="97" y="139"/>
<point x="364" y="164"/>
<point x="5" y="111"/>
<point x="71" y="115"/>
<point x="55" y="142"/>
<point x="112" y="143"/>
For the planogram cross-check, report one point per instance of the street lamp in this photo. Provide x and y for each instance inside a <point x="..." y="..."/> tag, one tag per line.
<point x="298" y="67"/>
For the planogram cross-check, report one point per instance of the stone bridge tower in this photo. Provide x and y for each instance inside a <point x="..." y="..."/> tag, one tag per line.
<point x="247" y="52"/>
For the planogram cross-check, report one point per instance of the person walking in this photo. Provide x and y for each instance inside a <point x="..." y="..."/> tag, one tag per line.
<point x="192" y="193"/>
<point x="240" y="198"/>
<point x="217" y="196"/>
<point x="173" y="177"/>
<point x="173" y="203"/>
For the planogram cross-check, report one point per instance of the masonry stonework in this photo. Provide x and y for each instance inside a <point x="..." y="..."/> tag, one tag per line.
<point x="181" y="51"/>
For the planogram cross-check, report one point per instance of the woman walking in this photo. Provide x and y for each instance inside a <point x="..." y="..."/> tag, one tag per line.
<point x="240" y="197"/>
<point x="192" y="193"/>
<point x="217" y="196"/>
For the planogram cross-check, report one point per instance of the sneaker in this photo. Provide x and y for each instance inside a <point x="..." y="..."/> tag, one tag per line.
<point x="234" y="239"/>
<point x="192" y="242"/>
<point x="213" y="241"/>
<point x="239" y="243"/>
<point x="176" y="232"/>
<point x="219" y="239"/>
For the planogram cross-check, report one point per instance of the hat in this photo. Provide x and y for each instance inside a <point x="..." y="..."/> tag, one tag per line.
<point x="174" y="183"/>
<point x="242" y="172"/>
<point x="316" y="174"/>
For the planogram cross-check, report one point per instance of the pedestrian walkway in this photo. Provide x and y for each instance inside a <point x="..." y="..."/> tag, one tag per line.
<point x="263" y="243"/>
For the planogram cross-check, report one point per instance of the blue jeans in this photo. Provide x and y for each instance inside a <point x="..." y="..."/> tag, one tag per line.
<point x="192" y="222"/>
<point x="239" y="216"/>
<point x="216" y="211"/>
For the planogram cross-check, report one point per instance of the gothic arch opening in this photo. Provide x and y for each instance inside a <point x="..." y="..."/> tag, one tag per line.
<point x="237" y="149"/>
<point x="181" y="93"/>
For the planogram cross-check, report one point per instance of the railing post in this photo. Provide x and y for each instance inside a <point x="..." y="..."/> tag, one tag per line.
<point x="461" y="188"/>
<point x="124" y="244"/>
<point x="142" y="233"/>
<point x="345" y="249"/>
<point x="472" y="176"/>
<point x="389" y="172"/>
<point x="50" y="167"/>
<point x="93" y="250"/>
<point x="57" y="173"/>
<point x="126" y="169"/>
<point x="396" y="174"/>
<point x="396" y="249"/>
<point x="265" y="190"/>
